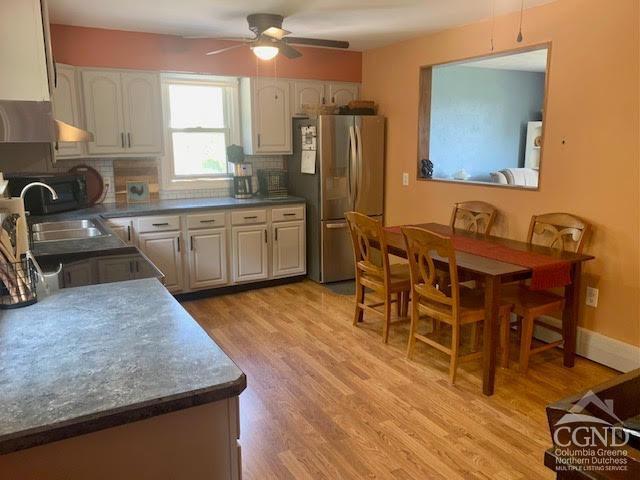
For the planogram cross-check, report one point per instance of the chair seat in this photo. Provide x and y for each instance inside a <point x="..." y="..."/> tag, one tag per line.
<point x="532" y="302"/>
<point x="399" y="277"/>
<point x="471" y="307"/>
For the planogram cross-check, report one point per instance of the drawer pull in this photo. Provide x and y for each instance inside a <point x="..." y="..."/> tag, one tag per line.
<point x="160" y="224"/>
<point x="208" y="221"/>
<point x="252" y="217"/>
<point x="289" y="214"/>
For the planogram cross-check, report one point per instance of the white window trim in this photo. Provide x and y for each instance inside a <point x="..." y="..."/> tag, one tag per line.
<point x="232" y="119"/>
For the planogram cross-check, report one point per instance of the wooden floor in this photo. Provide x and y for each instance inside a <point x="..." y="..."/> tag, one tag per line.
<point x="326" y="400"/>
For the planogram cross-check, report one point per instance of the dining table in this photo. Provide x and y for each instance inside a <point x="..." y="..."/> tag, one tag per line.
<point x="493" y="273"/>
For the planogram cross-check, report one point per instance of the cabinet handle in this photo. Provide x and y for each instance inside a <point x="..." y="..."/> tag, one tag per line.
<point x="160" y="224"/>
<point x="265" y="236"/>
<point x="276" y="233"/>
<point x="208" y="221"/>
<point x="191" y="246"/>
<point x="137" y="266"/>
<point x="178" y="244"/>
<point x="122" y="139"/>
<point x="129" y="139"/>
<point x="252" y="217"/>
<point x="323" y="100"/>
<point x="258" y="140"/>
<point x="68" y="277"/>
<point x="129" y="233"/>
<point x="333" y="99"/>
<point x="130" y="267"/>
<point x="289" y="214"/>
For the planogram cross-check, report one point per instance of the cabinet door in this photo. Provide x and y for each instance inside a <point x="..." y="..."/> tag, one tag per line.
<point x="207" y="258"/>
<point x="342" y="93"/>
<point x="288" y="249"/>
<point x="103" y="109"/>
<point x="164" y="250"/>
<point x="66" y="107"/>
<point x="78" y="274"/>
<point x="123" y="228"/>
<point x="307" y="93"/>
<point x="142" y="117"/>
<point x="272" y="116"/>
<point x="249" y="253"/>
<point x="116" y="269"/>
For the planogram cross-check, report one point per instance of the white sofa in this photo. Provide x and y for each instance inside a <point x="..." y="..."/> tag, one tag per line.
<point x="524" y="177"/>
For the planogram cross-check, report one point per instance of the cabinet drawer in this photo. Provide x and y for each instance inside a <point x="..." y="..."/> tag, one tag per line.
<point x="205" y="220"/>
<point x="158" y="224"/>
<point x="248" y="217"/>
<point x="287" y="213"/>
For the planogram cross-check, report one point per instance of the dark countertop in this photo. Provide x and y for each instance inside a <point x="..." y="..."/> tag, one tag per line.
<point x="81" y="360"/>
<point x="160" y="207"/>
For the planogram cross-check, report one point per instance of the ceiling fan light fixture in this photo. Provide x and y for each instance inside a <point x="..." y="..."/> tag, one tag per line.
<point x="265" y="52"/>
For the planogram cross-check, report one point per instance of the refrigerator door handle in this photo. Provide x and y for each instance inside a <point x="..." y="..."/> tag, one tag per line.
<point x="359" y="164"/>
<point x="352" y="167"/>
<point x="333" y="226"/>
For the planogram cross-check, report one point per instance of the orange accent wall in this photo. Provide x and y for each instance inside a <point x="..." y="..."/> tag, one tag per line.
<point x="592" y="145"/>
<point x="96" y="47"/>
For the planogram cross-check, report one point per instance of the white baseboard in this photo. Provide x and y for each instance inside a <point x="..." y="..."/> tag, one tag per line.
<point x="597" y="347"/>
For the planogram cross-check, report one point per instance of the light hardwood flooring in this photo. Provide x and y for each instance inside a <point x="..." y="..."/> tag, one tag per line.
<point x="326" y="400"/>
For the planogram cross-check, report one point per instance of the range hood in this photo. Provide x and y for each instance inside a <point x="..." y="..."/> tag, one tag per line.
<point x="33" y="122"/>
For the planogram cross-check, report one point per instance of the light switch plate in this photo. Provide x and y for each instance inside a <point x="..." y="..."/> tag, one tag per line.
<point x="592" y="297"/>
<point x="405" y="179"/>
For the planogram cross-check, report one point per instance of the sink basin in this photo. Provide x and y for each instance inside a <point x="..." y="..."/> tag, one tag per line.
<point x="66" y="225"/>
<point x="69" y="234"/>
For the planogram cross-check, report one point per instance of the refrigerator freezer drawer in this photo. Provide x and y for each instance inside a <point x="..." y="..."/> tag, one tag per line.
<point x="336" y="252"/>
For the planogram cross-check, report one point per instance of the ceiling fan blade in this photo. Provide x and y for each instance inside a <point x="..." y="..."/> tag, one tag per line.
<point x="317" y="42"/>
<point x="288" y="51"/>
<point x="275" y="32"/>
<point x="221" y="50"/>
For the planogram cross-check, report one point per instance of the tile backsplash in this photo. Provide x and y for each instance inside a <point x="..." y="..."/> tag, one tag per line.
<point x="225" y="188"/>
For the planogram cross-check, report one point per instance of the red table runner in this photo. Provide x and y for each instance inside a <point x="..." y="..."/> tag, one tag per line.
<point x="547" y="272"/>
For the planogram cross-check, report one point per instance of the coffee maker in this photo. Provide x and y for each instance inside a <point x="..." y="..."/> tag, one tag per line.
<point x="242" y="172"/>
<point x="242" y="180"/>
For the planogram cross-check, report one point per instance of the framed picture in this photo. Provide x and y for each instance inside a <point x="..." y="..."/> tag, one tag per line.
<point x="137" y="192"/>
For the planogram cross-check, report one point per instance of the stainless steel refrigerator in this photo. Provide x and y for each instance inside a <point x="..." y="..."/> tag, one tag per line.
<point x="349" y="175"/>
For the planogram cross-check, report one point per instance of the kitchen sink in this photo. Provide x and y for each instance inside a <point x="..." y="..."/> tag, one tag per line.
<point x="65" y="230"/>
<point x="66" y="225"/>
<point x="49" y="235"/>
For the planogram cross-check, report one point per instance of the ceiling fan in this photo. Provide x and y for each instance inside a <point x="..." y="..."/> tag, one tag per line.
<point x="270" y="39"/>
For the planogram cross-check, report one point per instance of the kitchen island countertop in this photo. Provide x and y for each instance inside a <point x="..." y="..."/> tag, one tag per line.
<point x="95" y="357"/>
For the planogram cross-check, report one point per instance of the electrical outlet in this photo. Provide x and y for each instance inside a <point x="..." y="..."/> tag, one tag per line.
<point x="405" y="179"/>
<point x="592" y="297"/>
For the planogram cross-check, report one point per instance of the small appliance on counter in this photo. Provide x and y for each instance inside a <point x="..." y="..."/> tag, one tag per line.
<point x="71" y="190"/>
<point x="242" y="172"/>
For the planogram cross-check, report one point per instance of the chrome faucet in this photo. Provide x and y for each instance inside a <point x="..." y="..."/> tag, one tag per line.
<point x="54" y="195"/>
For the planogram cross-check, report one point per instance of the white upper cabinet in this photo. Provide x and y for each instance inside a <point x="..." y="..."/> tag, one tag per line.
<point x="22" y="51"/>
<point x="103" y="108"/>
<point x="266" y="116"/>
<point x="123" y="112"/>
<point x="342" y="93"/>
<point x="142" y="116"/>
<point x="66" y="107"/>
<point x="307" y="93"/>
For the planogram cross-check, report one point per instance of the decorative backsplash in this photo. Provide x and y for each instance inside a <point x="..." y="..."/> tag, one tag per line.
<point x="105" y="167"/>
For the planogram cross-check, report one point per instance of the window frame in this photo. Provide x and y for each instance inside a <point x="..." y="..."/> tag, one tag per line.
<point x="231" y="106"/>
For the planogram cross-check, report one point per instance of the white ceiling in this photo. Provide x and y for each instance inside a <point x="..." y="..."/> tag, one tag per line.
<point x="364" y="23"/>
<point x="533" y="61"/>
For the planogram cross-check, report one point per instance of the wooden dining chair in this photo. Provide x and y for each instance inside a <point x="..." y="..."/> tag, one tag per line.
<point x="561" y="231"/>
<point x="451" y="305"/>
<point x="373" y="271"/>
<point x="473" y="216"/>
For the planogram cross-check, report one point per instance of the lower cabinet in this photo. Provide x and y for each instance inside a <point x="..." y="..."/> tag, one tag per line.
<point x="123" y="228"/>
<point x="78" y="274"/>
<point x="249" y="254"/>
<point x="207" y="258"/>
<point x="164" y="251"/>
<point x="288" y="249"/>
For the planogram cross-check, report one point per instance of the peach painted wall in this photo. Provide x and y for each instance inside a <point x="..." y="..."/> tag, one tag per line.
<point x="95" y="47"/>
<point x="593" y="106"/>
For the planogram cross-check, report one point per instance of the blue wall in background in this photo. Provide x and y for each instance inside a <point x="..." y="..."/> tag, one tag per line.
<point x="479" y="118"/>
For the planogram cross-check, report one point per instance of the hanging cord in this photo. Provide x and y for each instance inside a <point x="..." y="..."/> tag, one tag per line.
<point x="520" y="37"/>
<point x="493" y="23"/>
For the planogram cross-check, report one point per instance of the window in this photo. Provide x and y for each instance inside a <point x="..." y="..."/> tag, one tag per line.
<point x="201" y="120"/>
